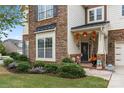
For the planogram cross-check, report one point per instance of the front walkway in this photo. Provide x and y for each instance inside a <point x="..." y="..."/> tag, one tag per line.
<point x="99" y="73"/>
<point x="117" y="79"/>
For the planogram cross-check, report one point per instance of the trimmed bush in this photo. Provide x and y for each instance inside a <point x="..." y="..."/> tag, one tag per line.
<point x="14" y="55"/>
<point x="7" y="61"/>
<point x="71" y="70"/>
<point x="39" y="64"/>
<point x="51" y="68"/>
<point x="17" y="56"/>
<point x="67" y="60"/>
<point x="23" y="58"/>
<point x="23" y="67"/>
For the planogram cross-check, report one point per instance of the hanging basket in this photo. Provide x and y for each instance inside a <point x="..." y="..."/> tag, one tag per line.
<point x="84" y="34"/>
<point x="77" y="36"/>
<point x="94" y="35"/>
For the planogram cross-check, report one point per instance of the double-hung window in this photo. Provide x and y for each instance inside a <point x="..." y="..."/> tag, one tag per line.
<point x="45" y="48"/>
<point x="122" y="10"/>
<point x="99" y="14"/>
<point x="96" y="14"/>
<point x="45" y="11"/>
<point x="91" y="15"/>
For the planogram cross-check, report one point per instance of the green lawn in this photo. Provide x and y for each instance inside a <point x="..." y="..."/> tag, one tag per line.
<point x="46" y="81"/>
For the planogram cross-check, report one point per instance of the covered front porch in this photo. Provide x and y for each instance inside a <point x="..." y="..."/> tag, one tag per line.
<point x="91" y="39"/>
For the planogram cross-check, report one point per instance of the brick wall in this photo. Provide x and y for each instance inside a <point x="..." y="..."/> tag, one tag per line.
<point x="61" y="31"/>
<point x="115" y="35"/>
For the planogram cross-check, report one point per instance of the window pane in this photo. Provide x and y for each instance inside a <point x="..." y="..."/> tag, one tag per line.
<point x="99" y="14"/>
<point x="41" y="12"/>
<point x="48" y="53"/>
<point x="41" y="43"/>
<point x="48" y="48"/>
<point x="49" y="13"/>
<point x="41" y="15"/>
<point x="41" y="53"/>
<point x="122" y="10"/>
<point x="49" y="7"/>
<point x="41" y="48"/>
<point x="41" y="8"/>
<point x="48" y="43"/>
<point x="91" y="15"/>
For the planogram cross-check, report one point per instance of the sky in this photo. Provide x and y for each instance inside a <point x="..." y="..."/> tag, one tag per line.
<point x="15" y="34"/>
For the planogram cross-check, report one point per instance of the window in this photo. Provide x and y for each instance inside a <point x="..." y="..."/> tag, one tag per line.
<point x="96" y="14"/>
<point x="45" y="11"/>
<point x="122" y="10"/>
<point x="48" y="48"/>
<point x="45" y="48"/>
<point x="41" y="48"/>
<point x="99" y="14"/>
<point x="91" y="15"/>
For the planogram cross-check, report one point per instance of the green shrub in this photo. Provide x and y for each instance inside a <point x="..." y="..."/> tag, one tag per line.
<point x="14" y="55"/>
<point x="7" y="61"/>
<point x="67" y="60"/>
<point x="39" y="64"/>
<point x="2" y="49"/>
<point x="51" y="68"/>
<point x="23" y="58"/>
<point x="17" y="56"/>
<point x="71" y="70"/>
<point x="23" y="66"/>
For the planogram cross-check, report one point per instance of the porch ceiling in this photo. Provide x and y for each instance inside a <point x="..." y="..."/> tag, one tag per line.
<point x="89" y="27"/>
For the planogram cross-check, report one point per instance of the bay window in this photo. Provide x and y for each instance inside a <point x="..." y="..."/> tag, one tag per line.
<point x="45" y="11"/>
<point x="45" y="48"/>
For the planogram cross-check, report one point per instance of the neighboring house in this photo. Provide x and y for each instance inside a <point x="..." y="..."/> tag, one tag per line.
<point x="13" y="45"/>
<point x="55" y="32"/>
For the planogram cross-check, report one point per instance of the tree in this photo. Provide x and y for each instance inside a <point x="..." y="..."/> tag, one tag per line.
<point x="2" y="49"/>
<point x="10" y="17"/>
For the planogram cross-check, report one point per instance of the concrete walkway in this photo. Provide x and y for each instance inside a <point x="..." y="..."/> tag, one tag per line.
<point x="117" y="79"/>
<point x="99" y="73"/>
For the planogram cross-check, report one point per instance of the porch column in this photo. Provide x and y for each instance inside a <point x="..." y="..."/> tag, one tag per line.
<point x="101" y="51"/>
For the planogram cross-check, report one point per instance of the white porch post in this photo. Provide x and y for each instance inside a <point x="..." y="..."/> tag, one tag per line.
<point x="101" y="50"/>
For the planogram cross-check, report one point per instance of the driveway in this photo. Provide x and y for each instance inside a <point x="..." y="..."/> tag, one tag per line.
<point x="117" y="79"/>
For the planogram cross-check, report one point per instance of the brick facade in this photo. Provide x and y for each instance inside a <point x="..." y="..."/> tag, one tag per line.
<point x="61" y="31"/>
<point x="114" y="35"/>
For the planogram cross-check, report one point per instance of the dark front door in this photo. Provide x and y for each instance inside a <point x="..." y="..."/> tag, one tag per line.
<point x="84" y="51"/>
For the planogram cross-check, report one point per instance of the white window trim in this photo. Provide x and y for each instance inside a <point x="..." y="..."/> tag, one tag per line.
<point x="45" y="14"/>
<point x="95" y="14"/>
<point x="43" y="36"/>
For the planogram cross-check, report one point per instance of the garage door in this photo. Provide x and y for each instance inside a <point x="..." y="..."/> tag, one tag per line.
<point x="119" y="53"/>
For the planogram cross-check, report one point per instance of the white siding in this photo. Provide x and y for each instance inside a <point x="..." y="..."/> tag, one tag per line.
<point x="76" y="17"/>
<point x="114" y="15"/>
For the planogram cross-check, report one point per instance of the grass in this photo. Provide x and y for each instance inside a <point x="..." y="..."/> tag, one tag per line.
<point x="12" y="80"/>
<point x="45" y="81"/>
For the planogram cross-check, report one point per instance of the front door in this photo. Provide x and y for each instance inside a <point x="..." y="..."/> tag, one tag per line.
<point x="84" y="51"/>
